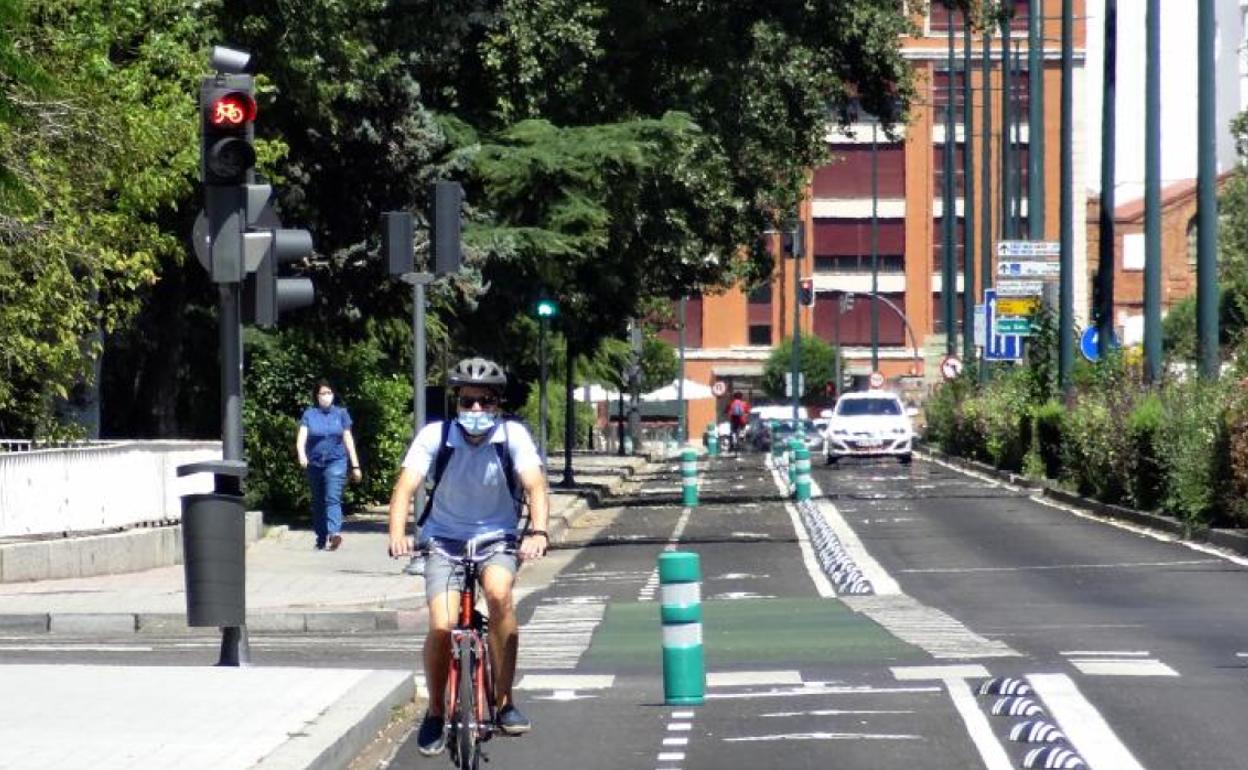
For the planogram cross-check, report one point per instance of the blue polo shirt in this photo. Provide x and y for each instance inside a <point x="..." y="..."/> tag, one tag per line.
<point x="473" y="497"/>
<point x="325" y="429"/>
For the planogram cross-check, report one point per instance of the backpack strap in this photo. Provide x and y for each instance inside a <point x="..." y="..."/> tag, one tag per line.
<point x="440" y="461"/>
<point x="509" y="469"/>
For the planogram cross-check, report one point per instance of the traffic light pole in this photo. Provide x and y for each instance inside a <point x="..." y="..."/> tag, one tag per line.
<point x="875" y="247"/>
<point x="796" y="359"/>
<point x="1109" y="123"/>
<point x="1206" y="195"/>
<point x="543" y="404"/>
<point x="681" y="433"/>
<point x="968" y="197"/>
<point x="985" y="181"/>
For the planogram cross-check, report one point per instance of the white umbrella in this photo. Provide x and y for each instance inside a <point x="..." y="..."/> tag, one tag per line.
<point x="693" y="391"/>
<point x="597" y="393"/>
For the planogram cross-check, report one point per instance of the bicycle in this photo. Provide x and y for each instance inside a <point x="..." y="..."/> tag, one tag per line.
<point x="470" y="707"/>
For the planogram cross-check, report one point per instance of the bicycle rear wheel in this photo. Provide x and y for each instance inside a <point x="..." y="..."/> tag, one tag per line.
<point x="466" y="749"/>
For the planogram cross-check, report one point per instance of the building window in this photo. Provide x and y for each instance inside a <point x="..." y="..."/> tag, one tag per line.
<point x="939" y="16"/>
<point x="760" y="334"/>
<point x="1193" y="229"/>
<point x="859" y="263"/>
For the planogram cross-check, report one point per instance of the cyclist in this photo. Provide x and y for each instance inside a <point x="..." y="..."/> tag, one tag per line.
<point x="472" y="497"/>
<point x="738" y="412"/>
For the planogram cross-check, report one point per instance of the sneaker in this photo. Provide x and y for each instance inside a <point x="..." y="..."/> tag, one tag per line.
<point x="512" y="722"/>
<point x="431" y="738"/>
<point x="334" y="542"/>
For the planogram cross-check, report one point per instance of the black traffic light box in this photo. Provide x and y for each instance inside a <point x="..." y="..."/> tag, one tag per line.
<point x="267" y="247"/>
<point x="398" y="242"/>
<point x="227" y="109"/>
<point x="448" y="197"/>
<point x="806" y="292"/>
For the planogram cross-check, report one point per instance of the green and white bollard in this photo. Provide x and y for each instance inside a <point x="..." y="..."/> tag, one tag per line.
<point x="777" y="448"/>
<point x="791" y="453"/>
<point x="689" y="476"/>
<point x="712" y="442"/>
<point x="801" y="488"/>
<point x="680" y="594"/>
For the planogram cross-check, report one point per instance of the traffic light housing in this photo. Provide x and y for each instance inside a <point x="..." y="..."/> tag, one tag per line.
<point x="267" y="247"/>
<point x="806" y="292"/>
<point x="398" y="243"/>
<point x="448" y="197"/>
<point x="791" y="242"/>
<point x="227" y="109"/>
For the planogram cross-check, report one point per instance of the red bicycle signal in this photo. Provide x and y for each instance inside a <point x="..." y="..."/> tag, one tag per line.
<point x="232" y="109"/>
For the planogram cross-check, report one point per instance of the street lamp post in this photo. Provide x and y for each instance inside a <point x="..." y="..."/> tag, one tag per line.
<point x="1152" y="192"/>
<point x="985" y="178"/>
<point x="796" y="360"/>
<point x="875" y="248"/>
<point x="1206" y="194"/>
<point x="948" y="214"/>
<point x="1109" y="123"/>
<point x="968" y="197"/>
<point x="1065" y="342"/>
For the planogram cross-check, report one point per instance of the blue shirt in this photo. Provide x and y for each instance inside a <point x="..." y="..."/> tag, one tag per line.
<point x="325" y="429"/>
<point x="473" y="497"/>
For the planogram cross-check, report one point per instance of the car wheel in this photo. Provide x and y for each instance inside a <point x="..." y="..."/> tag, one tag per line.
<point x="905" y="459"/>
<point x="829" y="460"/>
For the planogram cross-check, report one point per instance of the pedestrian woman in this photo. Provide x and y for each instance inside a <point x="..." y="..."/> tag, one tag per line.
<point x="327" y="451"/>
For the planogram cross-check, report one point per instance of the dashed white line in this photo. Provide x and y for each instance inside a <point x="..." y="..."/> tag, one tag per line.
<point x="1107" y="653"/>
<point x="1129" y="667"/>
<point x="985" y="740"/>
<point x="828" y="737"/>
<point x="675" y="741"/>
<point x="748" y="678"/>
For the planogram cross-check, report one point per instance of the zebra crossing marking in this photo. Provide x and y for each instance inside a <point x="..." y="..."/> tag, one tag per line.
<point x="559" y="632"/>
<point x="927" y="627"/>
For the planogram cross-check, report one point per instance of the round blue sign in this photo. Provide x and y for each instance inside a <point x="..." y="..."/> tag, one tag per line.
<point x="1089" y="343"/>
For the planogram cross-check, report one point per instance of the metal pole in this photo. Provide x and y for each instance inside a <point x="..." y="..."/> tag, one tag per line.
<point x="985" y="177"/>
<point x="634" y="386"/>
<point x="235" y="649"/>
<point x="968" y="196"/>
<point x="1007" y="120"/>
<point x="1035" y="119"/>
<point x="569" y="413"/>
<point x="1152" y="192"/>
<point x="1017" y="134"/>
<point x="1207" y="195"/>
<point x="1065" y="342"/>
<point x="796" y="361"/>
<point x="836" y="333"/>
<point x="680" y="382"/>
<point x="949" y="212"/>
<point x="1109" y="145"/>
<point x="875" y="247"/>
<point x="543" y="404"/>
<point x="418" y="373"/>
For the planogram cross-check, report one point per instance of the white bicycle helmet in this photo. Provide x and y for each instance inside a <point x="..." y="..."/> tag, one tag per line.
<point x="477" y="371"/>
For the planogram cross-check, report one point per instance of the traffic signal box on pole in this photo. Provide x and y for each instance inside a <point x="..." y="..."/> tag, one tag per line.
<point x="806" y="292"/>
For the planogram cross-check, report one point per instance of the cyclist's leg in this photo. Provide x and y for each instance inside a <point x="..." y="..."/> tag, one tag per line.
<point x="437" y="651"/>
<point x="497" y="580"/>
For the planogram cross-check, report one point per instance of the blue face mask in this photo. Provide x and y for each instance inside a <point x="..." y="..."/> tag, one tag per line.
<point x="476" y="423"/>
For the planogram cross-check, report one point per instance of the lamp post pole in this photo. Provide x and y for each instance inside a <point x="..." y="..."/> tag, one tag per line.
<point x="543" y="404"/>
<point x="1109" y="128"/>
<point x="948" y="214"/>
<point x="968" y="197"/>
<point x="875" y="248"/>
<point x="985" y="178"/>
<point x="1152" y="192"/>
<point x="1206" y="195"/>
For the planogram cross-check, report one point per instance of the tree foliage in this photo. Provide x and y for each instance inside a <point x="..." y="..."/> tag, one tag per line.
<point x="818" y="367"/>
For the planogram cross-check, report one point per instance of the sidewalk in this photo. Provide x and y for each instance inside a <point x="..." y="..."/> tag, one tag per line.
<point x="156" y="717"/>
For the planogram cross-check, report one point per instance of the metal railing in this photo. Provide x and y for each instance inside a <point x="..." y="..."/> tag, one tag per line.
<point x="96" y="485"/>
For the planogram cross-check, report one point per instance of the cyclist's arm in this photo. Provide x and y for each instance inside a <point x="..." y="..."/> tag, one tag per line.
<point x="400" y="506"/>
<point x="534" y="482"/>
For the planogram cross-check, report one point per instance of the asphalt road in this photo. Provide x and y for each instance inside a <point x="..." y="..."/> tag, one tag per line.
<point x="1134" y="646"/>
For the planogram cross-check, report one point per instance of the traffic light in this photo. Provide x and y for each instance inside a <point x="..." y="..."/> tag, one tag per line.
<point x="398" y="242"/>
<point x="806" y="292"/>
<point x="546" y="308"/>
<point x="447" y="200"/>
<point x="227" y="108"/>
<point x="267" y="247"/>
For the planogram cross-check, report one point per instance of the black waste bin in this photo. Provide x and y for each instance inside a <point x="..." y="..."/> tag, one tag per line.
<point x="213" y="553"/>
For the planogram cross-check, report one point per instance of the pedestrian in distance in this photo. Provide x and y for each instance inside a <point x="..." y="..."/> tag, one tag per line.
<point x="479" y="463"/>
<point x="326" y="451"/>
<point x="738" y="412"/>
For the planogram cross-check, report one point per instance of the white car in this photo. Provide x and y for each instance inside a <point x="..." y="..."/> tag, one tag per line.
<point x="869" y="424"/>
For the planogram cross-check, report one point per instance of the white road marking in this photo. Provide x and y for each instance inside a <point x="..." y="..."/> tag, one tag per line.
<point x="747" y="678"/>
<point x="679" y="727"/>
<point x="566" y="681"/>
<point x="675" y="741"/>
<point x="564" y="696"/>
<point x="823" y="586"/>
<point x="809" y="689"/>
<point x="985" y="740"/>
<point x="681" y="523"/>
<point x="682" y="715"/>
<point x="923" y="673"/>
<point x="1129" y="667"/>
<point x="1045" y="567"/>
<point x="559" y="633"/>
<point x="1107" y="653"/>
<point x="671" y="756"/>
<point x="734" y="595"/>
<point x="881" y="581"/>
<point x="740" y="576"/>
<point x="927" y="627"/>
<point x="828" y="737"/>
<point x="1083" y="725"/>
<point x="78" y="648"/>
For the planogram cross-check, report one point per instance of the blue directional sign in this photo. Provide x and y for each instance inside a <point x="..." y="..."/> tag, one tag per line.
<point x="998" y="347"/>
<point x="1089" y="343"/>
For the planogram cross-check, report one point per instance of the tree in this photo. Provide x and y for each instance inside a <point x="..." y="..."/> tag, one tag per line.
<point x="818" y="367"/>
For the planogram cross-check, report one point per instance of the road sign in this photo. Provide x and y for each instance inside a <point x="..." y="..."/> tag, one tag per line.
<point x="1021" y="269"/>
<point x="979" y="324"/>
<point x="1028" y="249"/>
<point x="1017" y="306"/>
<point x="719" y="387"/>
<point x="999" y="347"/>
<point x="1010" y="287"/>
<point x="1089" y="343"/>
<point x="1011" y="325"/>
<point x="950" y="367"/>
<point x="876" y="380"/>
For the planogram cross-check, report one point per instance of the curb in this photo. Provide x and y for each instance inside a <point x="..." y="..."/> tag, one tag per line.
<point x="1233" y="540"/>
<point x="174" y="623"/>
<point x="343" y="730"/>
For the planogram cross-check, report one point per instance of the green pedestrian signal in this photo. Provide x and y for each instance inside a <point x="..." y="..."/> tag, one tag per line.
<point x="546" y="308"/>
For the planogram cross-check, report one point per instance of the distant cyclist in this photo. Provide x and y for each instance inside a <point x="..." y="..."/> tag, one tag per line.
<point x="738" y="412"/>
<point x="473" y="495"/>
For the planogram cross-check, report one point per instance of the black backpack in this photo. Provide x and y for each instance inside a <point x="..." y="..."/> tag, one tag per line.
<point x="443" y="457"/>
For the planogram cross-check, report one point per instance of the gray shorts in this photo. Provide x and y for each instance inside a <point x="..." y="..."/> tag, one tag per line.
<point x="443" y="575"/>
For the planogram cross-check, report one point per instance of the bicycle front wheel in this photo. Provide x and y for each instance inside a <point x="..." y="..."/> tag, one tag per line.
<point x="466" y="736"/>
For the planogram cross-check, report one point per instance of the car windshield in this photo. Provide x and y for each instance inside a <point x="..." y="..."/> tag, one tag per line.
<point x="859" y="407"/>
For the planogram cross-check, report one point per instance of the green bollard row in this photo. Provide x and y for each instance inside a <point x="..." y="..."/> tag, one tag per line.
<point x="801" y="487"/>
<point x="689" y="476"/>
<point x="680" y="595"/>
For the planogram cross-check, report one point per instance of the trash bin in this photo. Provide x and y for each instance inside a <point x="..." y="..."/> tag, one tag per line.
<point x="213" y="554"/>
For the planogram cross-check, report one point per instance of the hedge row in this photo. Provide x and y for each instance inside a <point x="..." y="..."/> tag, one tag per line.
<point x="1179" y="448"/>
